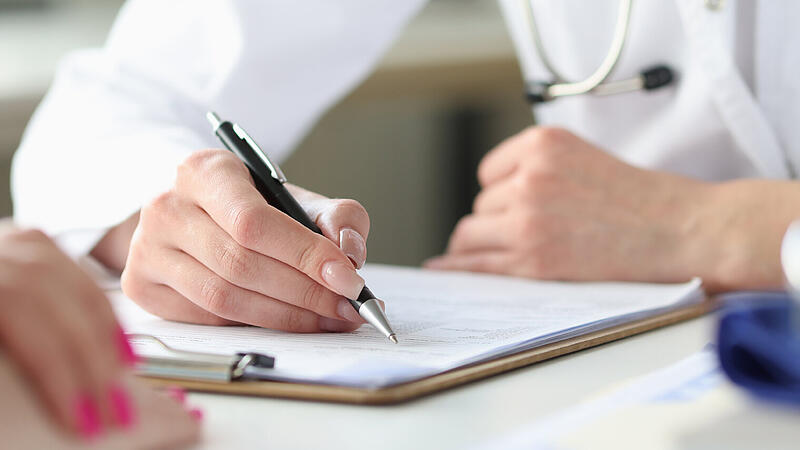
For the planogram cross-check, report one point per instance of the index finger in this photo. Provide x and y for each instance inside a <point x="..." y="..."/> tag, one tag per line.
<point x="502" y="160"/>
<point x="220" y="184"/>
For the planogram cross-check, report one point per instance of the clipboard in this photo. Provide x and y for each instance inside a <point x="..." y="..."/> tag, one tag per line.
<point x="426" y="386"/>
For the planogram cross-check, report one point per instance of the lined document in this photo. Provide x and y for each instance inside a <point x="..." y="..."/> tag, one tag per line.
<point x="443" y="320"/>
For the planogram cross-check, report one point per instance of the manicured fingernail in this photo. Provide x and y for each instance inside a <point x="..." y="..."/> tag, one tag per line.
<point x="176" y="393"/>
<point x="336" y="326"/>
<point x="121" y="407"/>
<point x="88" y="417"/>
<point x="342" y="278"/>
<point x="353" y="245"/>
<point x="197" y="414"/>
<point x="125" y="349"/>
<point x="346" y="311"/>
<point x="383" y="305"/>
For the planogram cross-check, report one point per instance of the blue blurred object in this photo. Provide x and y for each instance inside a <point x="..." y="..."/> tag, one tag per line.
<point x="759" y="347"/>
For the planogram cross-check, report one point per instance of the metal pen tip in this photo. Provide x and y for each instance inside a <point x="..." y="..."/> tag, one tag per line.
<point x="393" y="338"/>
<point x="213" y="119"/>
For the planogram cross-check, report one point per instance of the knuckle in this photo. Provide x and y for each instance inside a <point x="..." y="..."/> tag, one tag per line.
<point x="534" y="179"/>
<point x="350" y="207"/>
<point x="29" y="235"/>
<point x="309" y="257"/>
<point x="236" y="263"/>
<point x="544" y="136"/>
<point x="527" y="225"/>
<point x="152" y="213"/>
<point x="201" y="163"/>
<point x="131" y="284"/>
<point x="217" y="296"/>
<point x="312" y="297"/>
<point x="292" y="320"/>
<point x="350" y="212"/>
<point x="202" y="160"/>
<point x="247" y="222"/>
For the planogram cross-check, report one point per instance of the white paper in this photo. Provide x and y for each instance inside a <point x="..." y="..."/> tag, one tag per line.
<point x="443" y="320"/>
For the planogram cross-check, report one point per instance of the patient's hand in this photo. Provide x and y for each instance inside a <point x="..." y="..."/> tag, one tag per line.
<point x="554" y="206"/>
<point x="212" y="251"/>
<point x="64" y="358"/>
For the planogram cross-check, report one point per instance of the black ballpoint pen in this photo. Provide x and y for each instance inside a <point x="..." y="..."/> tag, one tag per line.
<point x="269" y="180"/>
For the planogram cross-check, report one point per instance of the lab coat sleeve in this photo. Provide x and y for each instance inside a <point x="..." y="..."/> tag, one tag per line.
<point x="118" y="120"/>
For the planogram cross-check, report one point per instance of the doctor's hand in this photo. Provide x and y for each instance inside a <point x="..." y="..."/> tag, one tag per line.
<point x="554" y="206"/>
<point x="212" y="251"/>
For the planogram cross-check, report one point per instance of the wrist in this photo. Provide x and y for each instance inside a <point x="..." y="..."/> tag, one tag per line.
<point x="112" y="249"/>
<point x="737" y="240"/>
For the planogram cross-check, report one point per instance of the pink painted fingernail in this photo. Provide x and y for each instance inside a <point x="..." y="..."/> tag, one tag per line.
<point x="88" y="417"/>
<point x="197" y="414"/>
<point x="353" y="245"/>
<point x="121" y="406"/>
<point x="342" y="278"/>
<point x="125" y="350"/>
<point x="176" y="393"/>
<point x="346" y="311"/>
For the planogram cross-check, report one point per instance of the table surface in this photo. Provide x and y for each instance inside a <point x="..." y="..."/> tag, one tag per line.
<point x="456" y="418"/>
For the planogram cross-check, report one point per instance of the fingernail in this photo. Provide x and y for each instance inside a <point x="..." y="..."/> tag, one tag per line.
<point x="121" y="406"/>
<point x="346" y="311"/>
<point x="352" y="244"/>
<point x="125" y="350"/>
<point x="88" y="418"/>
<point x="383" y="305"/>
<point x="176" y="393"/>
<point x="333" y="325"/>
<point x="342" y="278"/>
<point x="197" y="414"/>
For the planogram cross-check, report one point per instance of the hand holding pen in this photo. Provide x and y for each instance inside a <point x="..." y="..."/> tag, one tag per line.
<point x="212" y="251"/>
<point x="271" y="184"/>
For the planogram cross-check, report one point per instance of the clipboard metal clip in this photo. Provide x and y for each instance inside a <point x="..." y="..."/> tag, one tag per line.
<point x="200" y="366"/>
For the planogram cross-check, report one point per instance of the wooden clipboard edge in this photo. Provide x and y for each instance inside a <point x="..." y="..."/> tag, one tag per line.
<point x="456" y="377"/>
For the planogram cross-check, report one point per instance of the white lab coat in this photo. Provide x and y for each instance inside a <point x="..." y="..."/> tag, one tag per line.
<point x="118" y="120"/>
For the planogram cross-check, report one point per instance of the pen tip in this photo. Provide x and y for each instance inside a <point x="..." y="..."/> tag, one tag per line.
<point x="393" y="338"/>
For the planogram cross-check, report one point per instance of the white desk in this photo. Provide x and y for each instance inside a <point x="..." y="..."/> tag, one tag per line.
<point x="459" y="417"/>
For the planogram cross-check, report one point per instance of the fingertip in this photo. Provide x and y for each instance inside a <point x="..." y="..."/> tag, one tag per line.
<point x="337" y="326"/>
<point x="346" y="311"/>
<point x="197" y="414"/>
<point x="126" y="353"/>
<point x="87" y="417"/>
<point x="176" y="393"/>
<point x="122" y="407"/>
<point x="436" y="262"/>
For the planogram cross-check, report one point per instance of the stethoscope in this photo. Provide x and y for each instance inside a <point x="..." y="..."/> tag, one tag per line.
<point x="649" y="79"/>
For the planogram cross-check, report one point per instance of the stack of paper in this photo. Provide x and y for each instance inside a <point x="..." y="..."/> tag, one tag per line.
<point x="443" y="320"/>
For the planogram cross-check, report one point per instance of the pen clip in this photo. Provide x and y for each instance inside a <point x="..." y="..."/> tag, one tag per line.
<point x="274" y="169"/>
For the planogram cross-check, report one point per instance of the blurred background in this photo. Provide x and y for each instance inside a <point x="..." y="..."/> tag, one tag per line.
<point x="447" y="91"/>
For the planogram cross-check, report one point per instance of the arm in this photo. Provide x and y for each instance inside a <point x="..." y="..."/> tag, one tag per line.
<point x="556" y="207"/>
<point x="118" y="121"/>
<point x="121" y="122"/>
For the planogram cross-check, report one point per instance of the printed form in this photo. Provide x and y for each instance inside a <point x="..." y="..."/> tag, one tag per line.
<point x="443" y="320"/>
